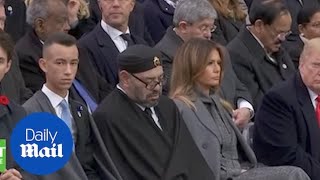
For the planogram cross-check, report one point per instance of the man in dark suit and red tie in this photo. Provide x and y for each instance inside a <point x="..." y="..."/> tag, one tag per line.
<point x="287" y="125"/>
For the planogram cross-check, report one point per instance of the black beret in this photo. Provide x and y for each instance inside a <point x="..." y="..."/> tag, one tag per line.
<point x="139" y="58"/>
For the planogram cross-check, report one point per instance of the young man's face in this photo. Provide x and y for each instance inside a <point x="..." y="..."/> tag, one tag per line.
<point x="5" y="63"/>
<point x="60" y="64"/>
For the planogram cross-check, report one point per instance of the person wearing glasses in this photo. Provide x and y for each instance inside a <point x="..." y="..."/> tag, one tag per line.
<point x="196" y="19"/>
<point x="309" y="27"/>
<point x="256" y="53"/>
<point x="142" y="130"/>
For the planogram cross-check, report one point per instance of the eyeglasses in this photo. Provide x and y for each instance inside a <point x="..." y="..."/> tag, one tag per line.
<point x="152" y="84"/>
<point x="281" y="36"/>
<point x="314" y="24"/>
<point x="206" y="28"/>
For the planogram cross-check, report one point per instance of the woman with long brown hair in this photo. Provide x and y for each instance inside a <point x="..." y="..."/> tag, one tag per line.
<point x="196" y="76"/>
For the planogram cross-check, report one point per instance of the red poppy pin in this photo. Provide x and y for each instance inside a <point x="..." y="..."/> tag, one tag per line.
<point x="4" y="100"/>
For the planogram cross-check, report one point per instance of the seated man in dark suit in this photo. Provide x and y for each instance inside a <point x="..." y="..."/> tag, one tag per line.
<point x="196" y="19"/>
<point x="47" y="17"/>
<point x="110" y="37"/>
<point x="143" y="131"/>
<point x="60" y="63"/>
<point x="256" y="53"/>
<point x="136" y="24"/>
<point x="287" y="124"/>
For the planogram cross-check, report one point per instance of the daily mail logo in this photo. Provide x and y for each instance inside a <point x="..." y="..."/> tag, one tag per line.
<point x="32" y="150"/>
<point x="42" y="142"/>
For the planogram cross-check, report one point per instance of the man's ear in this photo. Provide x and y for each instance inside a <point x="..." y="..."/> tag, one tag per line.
<point x="43" y="64"/>
<point x="132" y="3"/>
<point x="301" y="28"/>
<point x="39" y="25"/>
<point x="258" y="25"/>
<point x="183" y="27"/>
<point x="124" y="78"/>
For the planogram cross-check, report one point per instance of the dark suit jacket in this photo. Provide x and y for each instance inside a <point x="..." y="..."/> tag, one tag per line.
<point x="87" y="134"/>
<point x="158" y="16"/>
<point x="13" y="85"/>
<point x="226" y="30"/>
<point x="286" y="130"/>
<point x="29" y="51"/>
<point x="15" y="24"/>
<point x="294" y="48"/>
<point x="136" y="22"/>
<point x="231" y="88"/>
<point x="254" y="69"/>
<point x="103" y="52"/>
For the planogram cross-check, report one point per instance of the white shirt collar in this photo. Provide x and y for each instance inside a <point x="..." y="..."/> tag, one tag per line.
<point x="113" y="32"/>
<point x="141" y="107"/>
<point x="171" y="3"/>
<point x="54" y="98"/>
<point x="303" y="39"/>
<point x="256" y="38"/>
<point x="313" y="97"/>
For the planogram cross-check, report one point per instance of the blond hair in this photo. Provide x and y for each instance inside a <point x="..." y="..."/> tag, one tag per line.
<point x="84" y="12"/>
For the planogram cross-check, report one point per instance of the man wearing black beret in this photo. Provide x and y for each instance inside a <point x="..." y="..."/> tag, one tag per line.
<point x="142" y="130"/>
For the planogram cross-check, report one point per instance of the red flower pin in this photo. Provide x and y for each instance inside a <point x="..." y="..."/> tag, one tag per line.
<point x="4" y="100"/>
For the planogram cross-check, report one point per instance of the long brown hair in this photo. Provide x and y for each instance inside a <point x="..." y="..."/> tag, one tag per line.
<point x="190" y="61"/>
<point x="223" y="9"/>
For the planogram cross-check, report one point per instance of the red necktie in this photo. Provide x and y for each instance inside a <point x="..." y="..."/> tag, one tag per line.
<point x="318" y="110"/>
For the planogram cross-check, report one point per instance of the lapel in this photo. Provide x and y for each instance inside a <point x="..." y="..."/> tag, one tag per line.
<point x="3" y="111"/>
<point x="165" y="7"/>
<point x="227" y="118"/>
<point x="108" y="49"/>
<point x="308" y="112"/>
<point x="144" y="117"/>
<point x="44" y="102"/>
<point x="204" y="116"/>
<point x="255" y="49"/>
<point x="78" y="113"/>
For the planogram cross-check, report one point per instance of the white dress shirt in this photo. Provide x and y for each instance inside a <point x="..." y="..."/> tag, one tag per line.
<point x="114" y="34"/>
<point x="55" y="100"/>
<point x="313" y="97"/>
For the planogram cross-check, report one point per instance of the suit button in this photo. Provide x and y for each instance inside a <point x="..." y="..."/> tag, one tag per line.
<point x="204" y="145"/>
<point x="284" y="66"/>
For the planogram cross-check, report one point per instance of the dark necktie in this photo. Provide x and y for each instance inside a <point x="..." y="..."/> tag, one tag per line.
<point x="318" y="110"/>
<point x="148" y="112"/>
<point x="127" y="37"/>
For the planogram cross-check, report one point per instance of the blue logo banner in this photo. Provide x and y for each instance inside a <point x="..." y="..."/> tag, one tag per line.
<point x="41" y="143"/>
